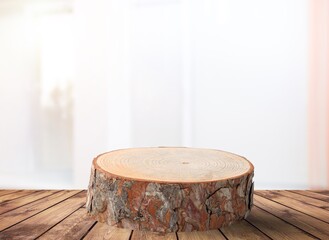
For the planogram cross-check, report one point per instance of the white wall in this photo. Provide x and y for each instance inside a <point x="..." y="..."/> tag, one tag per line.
<point x="230" y="75"/>
<point x="243" y="74"/>
<point x="249" y="74"/>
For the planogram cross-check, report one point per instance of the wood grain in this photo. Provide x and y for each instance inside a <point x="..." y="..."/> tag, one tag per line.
<point x="274" y="227"/>
<point x="44" y="220"/>
<point x="324" y="192"/>
<point x="243" y="230"/>
<point x="62" y="215"/>
<point x="303" y="198"/>
<point x="5" y="192"/>
<point x="165" y="164"/>
<point x="312" y="195"/>
<point x="15" y="195"/>
<point x="152" y="236"/>
<point x="10" y="205"/>
<point x="74" y="226"/>
<point x="309" y="224"/>
<point x="170" y="189"/>
<point x="207" y="235"/>
<point x="11" y="218"/>
<point x="102" y="231"/>
<point x="298" y="205"/>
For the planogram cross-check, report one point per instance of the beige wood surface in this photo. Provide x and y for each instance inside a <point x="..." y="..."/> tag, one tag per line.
<point x="180" y="165"/>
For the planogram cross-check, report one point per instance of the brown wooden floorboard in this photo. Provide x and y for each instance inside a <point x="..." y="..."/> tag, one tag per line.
<point x="15" y="195"/>
<point x="18" y="202"/>
<point x="74" y="226"/>
<point x="298" y="205"/>
<point x="324" y="192"/>
<point x="51" y="214"/>
<point x="309" y="224"/>
<point x="43" y="221"/>
<point x="313" y="195"/>
<point x="17" y="215"/>
<point x="103" y="232"/>
<point x="243" y="230"/>
<point x="5" y="192"/>
<point x="136" y="235"/>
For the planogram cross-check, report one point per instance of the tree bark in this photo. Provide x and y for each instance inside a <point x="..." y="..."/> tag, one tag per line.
<point x="168" y="206"/>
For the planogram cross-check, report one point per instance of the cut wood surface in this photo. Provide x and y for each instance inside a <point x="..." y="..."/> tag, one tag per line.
<point x="170" y="189"/>
<point x="62" y="215"/>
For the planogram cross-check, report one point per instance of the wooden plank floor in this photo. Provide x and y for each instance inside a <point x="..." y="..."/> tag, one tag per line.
<point x="53" y="214"/>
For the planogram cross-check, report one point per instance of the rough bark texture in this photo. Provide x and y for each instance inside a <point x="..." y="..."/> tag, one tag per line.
<point x="168" y="207"/>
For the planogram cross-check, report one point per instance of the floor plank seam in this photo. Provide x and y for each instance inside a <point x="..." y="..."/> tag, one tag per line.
<point x="9" y="192"/>
<point x="9" y="200"/>
<point x="307" y="233"/>
<point x="301" y="194"/>
<point x="322" y="192"/>
<point x="57" y="223"/>
<point x="294" y="208"/>
<point x="38" y="212"/>
<point x="222" y="233"/>
<point x="29" y="202"/>
<point x="131" y="235"/>
<point x="258" y="229"/>
<point x="88" y="231"/>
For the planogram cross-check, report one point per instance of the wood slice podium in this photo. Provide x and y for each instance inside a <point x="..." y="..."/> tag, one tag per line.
<point x="168" y="189"/>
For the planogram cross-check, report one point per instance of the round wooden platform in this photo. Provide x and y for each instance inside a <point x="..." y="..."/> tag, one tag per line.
<point x="170" y="189"/>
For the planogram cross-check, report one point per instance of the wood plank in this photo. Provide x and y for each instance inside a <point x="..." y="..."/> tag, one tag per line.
<point x="324" y="192"/>
<point x="243" y="230"/>
<point x="101" y="231"/>
<point x="14" y="195"/>
<point x="5" y="192"/>
<point x="207" y="235"/>
<point x="137" y="235"/>
<point x="304" y="199"/>
<point x="33" y="227"/>
<point x="309" y="224"/>
<point x="311" y="210"/>
<point x="74" y="226"/>
<point x="312" y="195"/>
<point x="274" y="227"/>
<point x="10" y="205"/>
<point x="19" y="214"/>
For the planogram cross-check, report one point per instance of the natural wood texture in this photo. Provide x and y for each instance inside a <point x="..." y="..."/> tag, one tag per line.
<point x="297" y="204"/>
<point x="324" y="192"/>
<point x="274" y="227"/>
<point x="5" y="192"/>
<point x="10" y="218"/>
<point x="73" y="227"/>
<point x="62" y="215"/>
<point x="303" y="198"/>
<point x="165" y="164"/>
<point x="313" y="195"/>
<point x="15" y="195"/>
<point x="44" y="220"/>
<point x="152" y="236"/>
<point x="207" y="235"/>
<point x="309" y="224"/>
<point x="170" y="189"/>
<point x="102" y="231"/>
<point x="7" y="206"/>
<point x="243" y="230"/>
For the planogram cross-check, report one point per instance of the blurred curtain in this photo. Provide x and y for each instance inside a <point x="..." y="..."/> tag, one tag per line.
<point x="319" y="94"/>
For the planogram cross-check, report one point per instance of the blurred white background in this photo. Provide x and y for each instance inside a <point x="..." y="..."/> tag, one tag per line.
<point x="78" y="78"/>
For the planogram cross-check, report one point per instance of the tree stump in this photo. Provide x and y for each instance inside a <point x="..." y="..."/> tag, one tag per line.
<point x="170" y="189"/>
